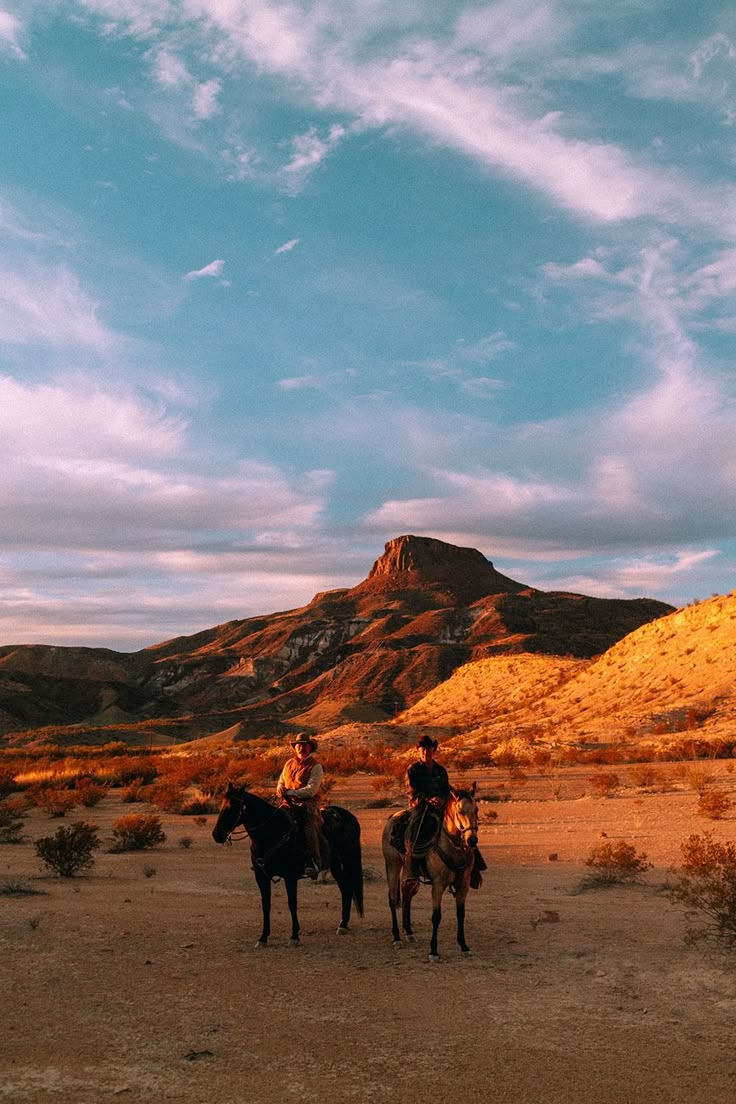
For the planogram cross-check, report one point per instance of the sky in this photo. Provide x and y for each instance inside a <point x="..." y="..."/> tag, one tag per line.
<point x="280" y="281"/>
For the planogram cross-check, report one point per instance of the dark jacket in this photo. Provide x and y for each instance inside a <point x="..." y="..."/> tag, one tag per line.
<point x="423" y="782"/>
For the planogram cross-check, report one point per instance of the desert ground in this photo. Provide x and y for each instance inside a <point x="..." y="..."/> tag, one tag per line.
<point x="147" y="986"/>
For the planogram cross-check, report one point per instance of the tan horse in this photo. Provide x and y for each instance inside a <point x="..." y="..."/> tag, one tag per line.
<point x="449" y="864"/>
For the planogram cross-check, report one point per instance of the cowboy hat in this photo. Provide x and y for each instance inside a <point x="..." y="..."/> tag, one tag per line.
<point x="428" y="742"/>
<point x="304" y="738"/>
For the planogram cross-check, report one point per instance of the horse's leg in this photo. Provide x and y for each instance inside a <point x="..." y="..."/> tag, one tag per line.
<point x="438" y="888"/>
<point x="291" y="891"/>
<point x="342" y="876"/>
<point x="393" y="875"/>
<point x="406" y="900"/>
<point x="460" y="896"/>
<point x="264" y="884"/>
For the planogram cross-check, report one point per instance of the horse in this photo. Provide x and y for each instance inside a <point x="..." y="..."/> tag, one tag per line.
<point x="278" y="850"/>
<point x="448" y="862"/>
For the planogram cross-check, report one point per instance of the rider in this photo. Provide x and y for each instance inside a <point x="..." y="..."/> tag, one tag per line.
<point x="428" y="789"/>
<point x="299" y="784"/>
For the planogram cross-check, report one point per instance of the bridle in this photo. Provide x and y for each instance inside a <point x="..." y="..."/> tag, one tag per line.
<point x="239" y="801"/>
<point x="471" y="829"/>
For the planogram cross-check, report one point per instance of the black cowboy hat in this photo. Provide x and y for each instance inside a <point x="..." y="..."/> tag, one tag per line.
<point x="428" y="742"/>
<point x="304" y="738"/>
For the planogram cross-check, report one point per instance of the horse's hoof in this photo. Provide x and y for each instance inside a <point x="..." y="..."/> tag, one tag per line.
<point x="411" y="939"/>
<point x="434" y="958"/>
<point x="260" y="945"/>
<point x="398" y="944"/>
<point x="343" y="931"/>
<point x="467" y="954"/>
<point x="294" y="943"/>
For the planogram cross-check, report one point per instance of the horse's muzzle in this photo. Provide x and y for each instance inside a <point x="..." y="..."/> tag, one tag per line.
<point x="473" y="840"/>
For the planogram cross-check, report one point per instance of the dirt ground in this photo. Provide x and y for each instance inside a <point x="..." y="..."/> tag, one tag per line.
<point x="149" y="988"/>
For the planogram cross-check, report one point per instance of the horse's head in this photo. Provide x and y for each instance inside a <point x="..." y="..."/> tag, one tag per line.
<point x="462" y="812"/>
<point x="231" y="813"/>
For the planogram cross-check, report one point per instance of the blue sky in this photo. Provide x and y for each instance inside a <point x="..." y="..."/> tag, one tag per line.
<point x="281" y="281"/>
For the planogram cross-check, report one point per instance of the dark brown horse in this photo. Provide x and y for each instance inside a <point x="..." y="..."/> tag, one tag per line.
<point x="448" y="863"/>
<point x="278" y="850"/>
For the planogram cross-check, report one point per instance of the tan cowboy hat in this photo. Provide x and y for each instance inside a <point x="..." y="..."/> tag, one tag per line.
<point x="304" y="738"/>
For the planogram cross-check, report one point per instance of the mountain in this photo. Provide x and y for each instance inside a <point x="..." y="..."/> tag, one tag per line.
<point x="673" y="679"/>
<point x="363" y="654"/>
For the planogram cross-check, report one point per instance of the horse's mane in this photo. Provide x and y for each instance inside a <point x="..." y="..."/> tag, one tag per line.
<point x="460" y="794"/>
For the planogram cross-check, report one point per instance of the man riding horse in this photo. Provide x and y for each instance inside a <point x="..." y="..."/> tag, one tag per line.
<point x="428" y="789"/>
<point x="298" y="788"/>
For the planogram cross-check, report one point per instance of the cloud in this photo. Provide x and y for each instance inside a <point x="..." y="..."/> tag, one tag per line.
<point x="205" y="103"/>
<point x="308" y="151"/>
<point x="474" y="88"/>
<point x="46" y="305"/>
<point x="287" y="246"/>
<point x="10" y="29"/>
<point x="487" y="349"/>
<point x="101" y="485"/>
<point x="214" y="268"/>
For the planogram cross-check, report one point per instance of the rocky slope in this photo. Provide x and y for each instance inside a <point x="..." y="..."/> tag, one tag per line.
<point x="672" y="679"/>
<point x="368" y="652"/>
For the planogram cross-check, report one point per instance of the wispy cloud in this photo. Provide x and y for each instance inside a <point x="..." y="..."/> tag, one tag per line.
<point x="213" y="269"/>
<point x="46" y="305"/>
<point x="287" y="246"/>
<point x="10" y="31"/>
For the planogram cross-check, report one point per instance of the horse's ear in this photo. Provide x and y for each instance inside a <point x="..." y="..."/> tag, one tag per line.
<point x="473" y="789"/>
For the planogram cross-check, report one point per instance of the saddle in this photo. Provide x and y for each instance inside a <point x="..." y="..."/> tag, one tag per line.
<point x="429" y="829"/>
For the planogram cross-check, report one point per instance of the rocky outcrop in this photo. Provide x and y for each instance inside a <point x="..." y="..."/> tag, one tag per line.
<point x="411" y="562"/>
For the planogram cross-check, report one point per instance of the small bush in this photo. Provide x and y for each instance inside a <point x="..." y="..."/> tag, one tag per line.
<point x="8" y="785"/>
<point x="18" y="887"/>
<point x="89" y="793"/>
<point x="70" y="850"/>
<point x="707" y="886"/>
<point x="645" y="776"/>
<point x="133" y="792"/>
<point x="614" y="864"/>
<point x="714" y="804"/>
<point x="137" y="832"/>
<point x="55" y="802"/>
<point x="185" y="842"/>
<point x="149" y="871"/>
<point x="11" y="820"/>
<point x="605" y="783"/>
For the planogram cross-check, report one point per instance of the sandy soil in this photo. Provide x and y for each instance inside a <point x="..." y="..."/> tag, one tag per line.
<point x="149" y="988"/>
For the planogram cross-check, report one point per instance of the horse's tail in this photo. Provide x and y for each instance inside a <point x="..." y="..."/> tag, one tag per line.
<point x="346" y="851"/>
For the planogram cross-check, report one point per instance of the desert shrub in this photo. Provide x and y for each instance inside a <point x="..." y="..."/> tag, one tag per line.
<point x="604" y="783"/>
<point x="168" y="795"/>
<point x="518" y="777"/>
<point x="714" y="804"/>
<point x="69" y="850"/>
<point x="124" y="770"/>
<point x="11" y="820"/>
<point x="614" y="864"/>
<point x="385" y="784"/>
<point x="134" y="791"/>
<point x="645" y="776"/>
<point x="707" y="886"/>
<point x="89" y="793"/>
<point x="196" y="805"/>
<point x="8" y="785"/>
<point x="54" y="801"/>
<point x="185" y="842"/>
<point x="18" y="887"/>
<point x="137" y="832"/>
<point x="696" y="777"/>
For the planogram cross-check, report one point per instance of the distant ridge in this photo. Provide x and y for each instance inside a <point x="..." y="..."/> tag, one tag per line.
<point x="360" y="654"/>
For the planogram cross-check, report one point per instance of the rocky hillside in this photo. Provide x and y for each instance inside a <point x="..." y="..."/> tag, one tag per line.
<point x="364" y="653"/>
<point x="671" y="679"/>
